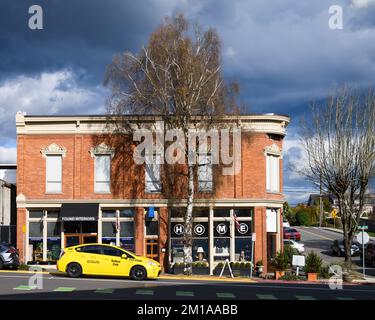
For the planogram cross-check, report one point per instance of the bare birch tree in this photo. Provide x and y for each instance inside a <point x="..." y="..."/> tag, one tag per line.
<point x="339" y="140"/>
<point x="176" y="76"/>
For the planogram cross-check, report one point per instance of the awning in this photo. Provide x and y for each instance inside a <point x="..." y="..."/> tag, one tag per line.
<point x="79" y="211"/>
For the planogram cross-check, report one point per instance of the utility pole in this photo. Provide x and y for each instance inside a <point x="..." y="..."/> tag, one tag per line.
<point x="320" y="202"/>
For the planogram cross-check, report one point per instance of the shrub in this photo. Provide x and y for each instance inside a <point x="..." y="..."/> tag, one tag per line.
<point x="313" y="263"/>
<point x="23" y="267"/>
<point x="289" y="251"/>
<point x="302" y="218"/>
<point x="280" y="262"/>
<point x="290" y="277"/>
<point x="324" y="272"/>
<point x="242" y="265"/>
<point x="248" y="265"/>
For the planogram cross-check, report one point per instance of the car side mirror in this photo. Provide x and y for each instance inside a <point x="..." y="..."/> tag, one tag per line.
<point x="124" y="256"/>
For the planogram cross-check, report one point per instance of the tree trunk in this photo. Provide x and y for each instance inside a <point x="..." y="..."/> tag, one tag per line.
<point x="188" y="241"/>
<point x="347" y="239"/>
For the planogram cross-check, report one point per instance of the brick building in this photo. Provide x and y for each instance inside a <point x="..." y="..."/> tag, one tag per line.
<point x="75" y="185"/>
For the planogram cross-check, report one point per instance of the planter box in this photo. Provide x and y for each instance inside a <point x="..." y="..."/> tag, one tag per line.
<point x="279" y="274"/>
<point x="237" y="272"/>
<point x="312" y="276"/>
<point x="196" y="270"/>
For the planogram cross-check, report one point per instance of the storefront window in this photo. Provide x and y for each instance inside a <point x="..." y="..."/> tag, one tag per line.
<point x="221" y="212"/>
<point x="127" y="235"/>
<point x="36" y="240"/>
<point x="201" y="212"/>
<point x="152" y="228"/>
<point x="109" y="232"/>
<point x="246" y="212"/>
<point x="177" y="251"/>
<point x="36" y="214"/>
<point x="200" y="250"/>
<point x="243" y="249"/>
<point x="221" y="248"/>
<point x="109" y="213"/>
<point x="53" y="240"/>
<point x="127" y="244"/>
<point x="127" y="213"/>
<point x="52" y="214"/>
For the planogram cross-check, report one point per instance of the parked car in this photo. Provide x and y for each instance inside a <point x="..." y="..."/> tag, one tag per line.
<point x="338" y="248"/>
<point x="300" y="247"/>
<point x="107" y="260"/>
<point x="292" y="233"/>
<point x="9" y="256"/>
<point x="370" y="254"/>
<point x="286" y="223"/>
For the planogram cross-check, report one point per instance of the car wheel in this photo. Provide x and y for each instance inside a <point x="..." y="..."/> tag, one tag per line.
<point x="373" y="263"/>
<point x="1" y="264"/>
<point x="138" y="273"/>
<point x="74" y="270"/>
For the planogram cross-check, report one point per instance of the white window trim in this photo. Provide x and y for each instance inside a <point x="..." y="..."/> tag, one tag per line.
<point x="202" y="184"/>
<point x="102" y="150"/>
<point x="157" y="182"/>
<point x="54" y="150"/>
<point x="272" y="186"/>
<point x="110" y="165"/>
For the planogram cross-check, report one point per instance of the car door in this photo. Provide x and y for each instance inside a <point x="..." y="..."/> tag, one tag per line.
<point x="91" y="259"/>
<point x="114" y="263"/>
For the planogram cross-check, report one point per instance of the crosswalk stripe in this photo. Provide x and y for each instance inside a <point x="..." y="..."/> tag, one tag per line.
<point x="104" y="290"/>
<point x="344" y="298"/>
<point x="185" y="293"/>
<point x="225" y="295"/>
<point x="64" y="289"/>
<point x="305" y="298"/>
<point x="24" y="288"/>
<point x="266" y="297"/>
<point x="148" y="292"/>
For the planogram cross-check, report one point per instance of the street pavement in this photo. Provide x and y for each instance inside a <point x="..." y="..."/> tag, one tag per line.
<point x="320" y="240"/>
<point x="17" y="285"/>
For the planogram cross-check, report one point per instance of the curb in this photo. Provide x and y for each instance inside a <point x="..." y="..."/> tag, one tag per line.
<point x="166" y="277"/>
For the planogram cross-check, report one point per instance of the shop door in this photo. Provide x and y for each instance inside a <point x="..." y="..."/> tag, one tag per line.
<point x="152" y="249"/>
<point x="77" y="239"/>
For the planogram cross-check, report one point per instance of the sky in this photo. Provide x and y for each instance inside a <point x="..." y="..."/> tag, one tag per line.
<point x="283" y="53"/>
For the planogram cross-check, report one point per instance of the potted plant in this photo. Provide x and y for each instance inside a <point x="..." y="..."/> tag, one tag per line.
<point x="178" y="268"/>
<point x="280" y="263"/>
<point x="313" y="266"/>
<point x="201" y="267"/>
<point x="259" y="267"/>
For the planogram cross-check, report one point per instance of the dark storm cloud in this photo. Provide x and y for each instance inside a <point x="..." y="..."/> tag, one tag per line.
<point x="82" y="34"/>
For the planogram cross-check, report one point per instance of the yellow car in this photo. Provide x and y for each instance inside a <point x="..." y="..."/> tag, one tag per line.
<point x="104" y="259"/>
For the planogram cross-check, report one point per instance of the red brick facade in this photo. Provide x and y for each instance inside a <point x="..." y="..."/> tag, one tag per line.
<point x="247" y="188"/>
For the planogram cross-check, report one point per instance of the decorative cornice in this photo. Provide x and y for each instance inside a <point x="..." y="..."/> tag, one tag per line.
<point x="53" y="149"/>
<point x="102" y="149"/>
<point x="273" y="149"/>
<point x="26" y="124"/>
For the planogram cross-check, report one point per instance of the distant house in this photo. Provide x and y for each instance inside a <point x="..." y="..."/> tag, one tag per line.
<point x="8" y="208"/>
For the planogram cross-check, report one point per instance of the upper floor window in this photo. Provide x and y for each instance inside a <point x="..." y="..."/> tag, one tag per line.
<point x="273" y="155"/>
<point x="152" y="174"/>
<point x="272" y="173"/>
<point x="54" y="174"/>
<point x="102" y="155"/>
<point x="102" y="173"/>
<point x="205" y="181"/>
<point x="53" y="154"/>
